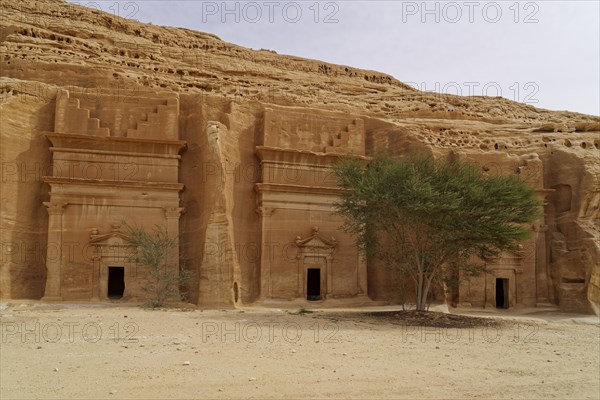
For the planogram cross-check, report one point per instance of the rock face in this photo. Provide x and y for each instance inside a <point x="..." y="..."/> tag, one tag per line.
<point x="82" y="89"/>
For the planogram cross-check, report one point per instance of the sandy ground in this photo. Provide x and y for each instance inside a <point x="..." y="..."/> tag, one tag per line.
<point x="115" y="352"/>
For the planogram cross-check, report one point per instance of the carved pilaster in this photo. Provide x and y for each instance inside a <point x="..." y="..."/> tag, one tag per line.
<point x="52" y="291"/>
<point x="265" y="214"/>
<point x="96" y="259"/>
<point x="539" y="227"/>
<point x="172" y="215"/>
<point x="173" y="212"/>
<point x="362" y="274"/>
<point x="55" y="208"/>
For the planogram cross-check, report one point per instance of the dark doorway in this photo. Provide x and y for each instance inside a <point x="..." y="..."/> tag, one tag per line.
<point x="313" y="284"/>
<point x="501" y="293"/>
<point x="116" y="282"/>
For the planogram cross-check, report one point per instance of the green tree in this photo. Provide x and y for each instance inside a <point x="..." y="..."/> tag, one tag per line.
<point x="431" y="220"/>
<point x="153" y="249"/>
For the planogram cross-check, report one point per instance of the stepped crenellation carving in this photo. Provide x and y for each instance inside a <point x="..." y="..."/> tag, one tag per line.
<point x="139" y="118"/>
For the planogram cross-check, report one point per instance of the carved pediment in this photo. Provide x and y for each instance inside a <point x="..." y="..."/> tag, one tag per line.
<point x="114" y="245"/>
<point x="316" y="242"/>
<point x="113" y="238"/>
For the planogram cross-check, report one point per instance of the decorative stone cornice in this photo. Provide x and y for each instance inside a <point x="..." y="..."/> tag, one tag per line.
<point x="115" y="143"/>
<point x="285" y="188"/>
<point x="115" y="183"/>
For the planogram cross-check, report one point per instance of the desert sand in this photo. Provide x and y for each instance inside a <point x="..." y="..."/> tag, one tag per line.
<point x="94" y="351"/>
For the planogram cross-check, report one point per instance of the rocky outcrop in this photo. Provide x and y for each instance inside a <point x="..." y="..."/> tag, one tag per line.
<point x="219" y="280"/>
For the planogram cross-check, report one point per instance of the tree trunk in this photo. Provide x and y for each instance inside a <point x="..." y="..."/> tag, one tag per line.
<point x="423" y="287"/>
<point x="419" y="301"/>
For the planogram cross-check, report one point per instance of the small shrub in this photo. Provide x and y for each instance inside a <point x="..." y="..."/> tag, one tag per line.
<point x="153" y="249"/>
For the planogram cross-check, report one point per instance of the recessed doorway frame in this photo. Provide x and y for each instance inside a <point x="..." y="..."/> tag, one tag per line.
<point x="115" y="272"/>
<point x="502" y="293"/>
<point x="310" y="281"/>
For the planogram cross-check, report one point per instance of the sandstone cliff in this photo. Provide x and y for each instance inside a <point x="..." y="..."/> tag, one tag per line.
<point x="51" y="45"/>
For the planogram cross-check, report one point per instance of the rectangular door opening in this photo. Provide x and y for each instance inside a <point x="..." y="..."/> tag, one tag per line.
<point x="501" y="293"/>
<point x="116" y="282"/>
<point x="313" y="284"/>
